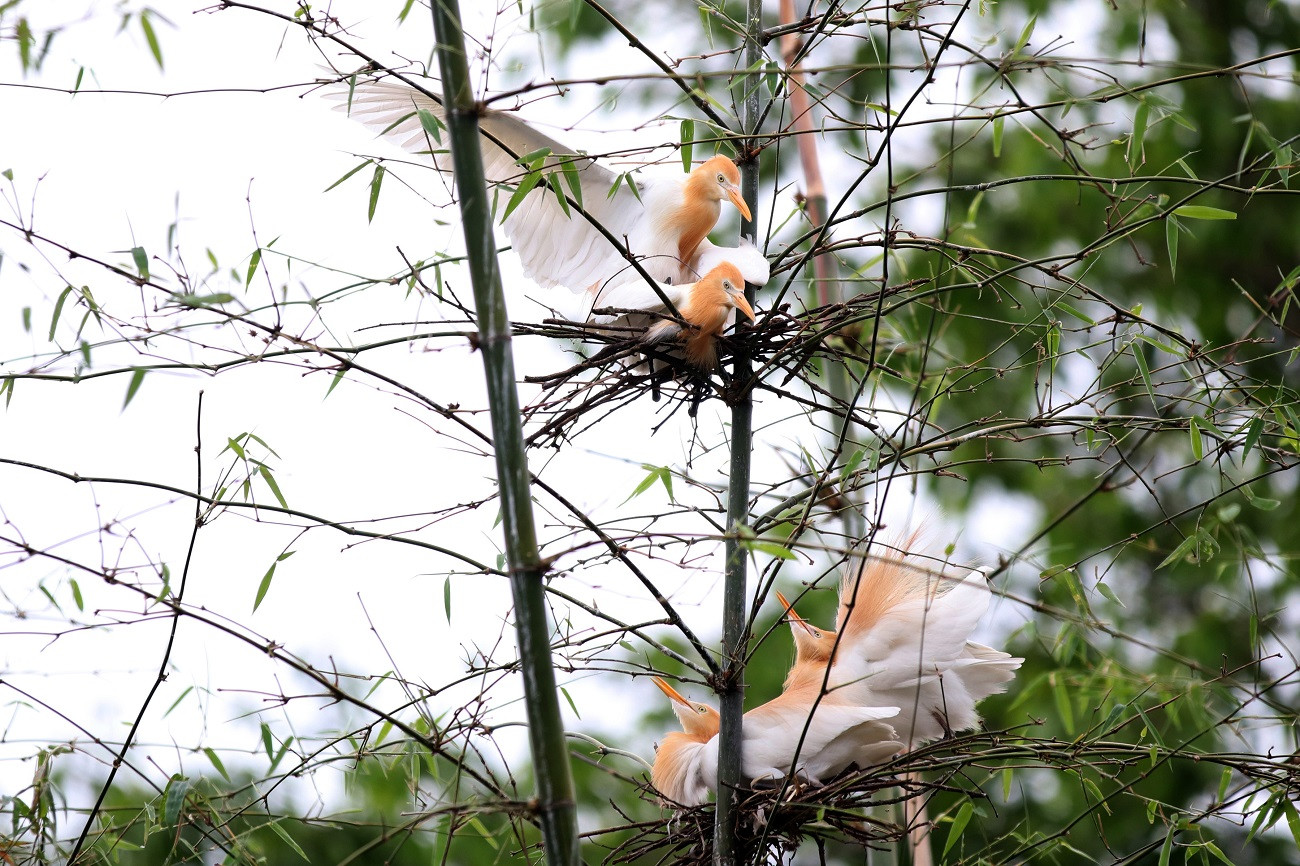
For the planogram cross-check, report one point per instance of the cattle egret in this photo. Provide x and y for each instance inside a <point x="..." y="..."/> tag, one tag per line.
<point x="828" y="740"/>
<point x="664" y="222"/>
<point x="904" y="644"/>
<point x="708" y="306"/>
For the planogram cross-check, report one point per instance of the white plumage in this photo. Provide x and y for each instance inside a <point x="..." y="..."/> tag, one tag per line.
<point x="686" y="765"/>
<point x="664" y="224"/>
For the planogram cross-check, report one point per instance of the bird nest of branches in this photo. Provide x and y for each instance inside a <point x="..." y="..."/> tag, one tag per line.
<point x="777" y="820"/>
<point x="616" y="365"/>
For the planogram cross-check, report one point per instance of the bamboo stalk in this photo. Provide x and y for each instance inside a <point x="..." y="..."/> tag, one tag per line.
<point x="826" y="275"/>
<point x="735" y="638"/>
<point x="556" y="808"/>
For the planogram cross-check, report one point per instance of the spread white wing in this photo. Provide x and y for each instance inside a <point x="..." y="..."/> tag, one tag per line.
<point x="556" y="248"/>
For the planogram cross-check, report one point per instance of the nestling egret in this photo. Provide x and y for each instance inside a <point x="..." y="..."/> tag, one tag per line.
<point x="708" y="306"/>
<point x="686" y="764"/>
<point x="664" y="223"/>
<point x="904" y="644"/>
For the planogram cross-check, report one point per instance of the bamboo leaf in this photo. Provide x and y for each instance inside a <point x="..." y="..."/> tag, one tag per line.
<point x="288" y="840"/>
<point x="263" y="586"/>
<point x="688" y="143"/>
<point x="76" y="594"/>
<point x="376" y="182"/>
<point x="215" y="760"/>
<point x="151" y="37"/>
<point x="270" y="482"/>
<point x="1198" y="446"/>
<point x="141" y="259"/>
<point x="1145" y="372"/>
<point x="134" y="385"/>
<point x="345" y="176"/>
<point x="177" y="788"/>
<point x="58" y="309"/>
<point x="998" y="123"/>
<point x="255" y="261"/>
<point x="1171" y="244"/>
<point x="958" y="825"/>
<point x="446" y="599"/>
<point x="1202" y="212"/>
<point x="429" y="121"/>
<point x="569" y="698"/>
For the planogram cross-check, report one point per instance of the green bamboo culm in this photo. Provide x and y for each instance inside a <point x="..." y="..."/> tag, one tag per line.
<point x="556" y="809"/>
<point x="727" y="850"/>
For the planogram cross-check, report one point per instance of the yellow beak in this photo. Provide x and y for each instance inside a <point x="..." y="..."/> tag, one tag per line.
<point x="739" y="201"/>
<point x="670" y="691"/>
<point x="789" y="612"/>
<point x="742" y="304"/>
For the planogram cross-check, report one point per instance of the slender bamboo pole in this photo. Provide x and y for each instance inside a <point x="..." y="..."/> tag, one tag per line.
<point x="556" y="809"/>
<point x="735" y="639"/>
<point x="828" y="288"/>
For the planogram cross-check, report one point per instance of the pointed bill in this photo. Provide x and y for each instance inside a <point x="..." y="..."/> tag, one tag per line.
<point x="794" y="618"/>
<point x="672" y="693"/>
<point x="742" y="304"/>
<point x="739" y="201"/>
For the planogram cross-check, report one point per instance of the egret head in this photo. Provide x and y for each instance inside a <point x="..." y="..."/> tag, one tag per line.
<point x="698" y="720"/>
<point x="724" y="182"/>
<point x="811" y="644"/>
<point x="728" y="282"/>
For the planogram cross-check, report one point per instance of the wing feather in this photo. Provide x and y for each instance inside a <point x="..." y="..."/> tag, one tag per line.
<point x="555" y="248"/>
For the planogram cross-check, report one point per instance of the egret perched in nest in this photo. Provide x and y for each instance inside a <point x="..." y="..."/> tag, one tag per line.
<point x="664" y="222"/>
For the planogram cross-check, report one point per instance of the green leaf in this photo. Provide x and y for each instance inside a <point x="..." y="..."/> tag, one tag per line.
<point x="1171" y="244"/>
<point x="429" y="121"/>
<point x="573" y="179"/>
<point x="771" y="548"/>
<point x="569" y="698"/>
<point x="1167" y="848"/>
<point x="688" y="143"/>
<point x="76" y="594"/>
<point x="151" y="37"/>
<point x="1109" y="593"/>
<point x="525" y="187"/>
<point x="215" y="299"/>
<point x="1217" y="852"/>
<point x="284" y="834"/>
<point x="998" y="123"/>
<point x="1053" y="343"/>
<point x="1025" y="33"/>
<point x="27" y="319"/>
<point x="177" y="788"/>
<point x="1186" y="548"/>
<point x="1198" y="446"/>
<point x="338" y="377"/>
<point x="958" y="825"/>
<point x="270" y="482"/>
<point x="346" y="175"/>
<point x="1136" y="155"/>
<point x="58" y="309"/>
<point x="376" y="181"/>
<point x="1064" y="710"/>
<point x="446" y="598"/>
<point x="134" y="385"/>
<point x="141" y="259"/>
<point x="176" y="703"/>
<point x="1139" y="355"/>
<point x="1292" y="819"/>
<point x="1201" y="212"/>
<point x="257" y="259"/>
<point x="264" y="586"/>
<point x="1253" y="430"/>
<point x="216" y="762"/>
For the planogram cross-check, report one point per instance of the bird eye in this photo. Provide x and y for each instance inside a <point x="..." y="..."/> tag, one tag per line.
<point x="816" y="635"/>
<point x="700" y="710"/>
<point x="722" y="178"/>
